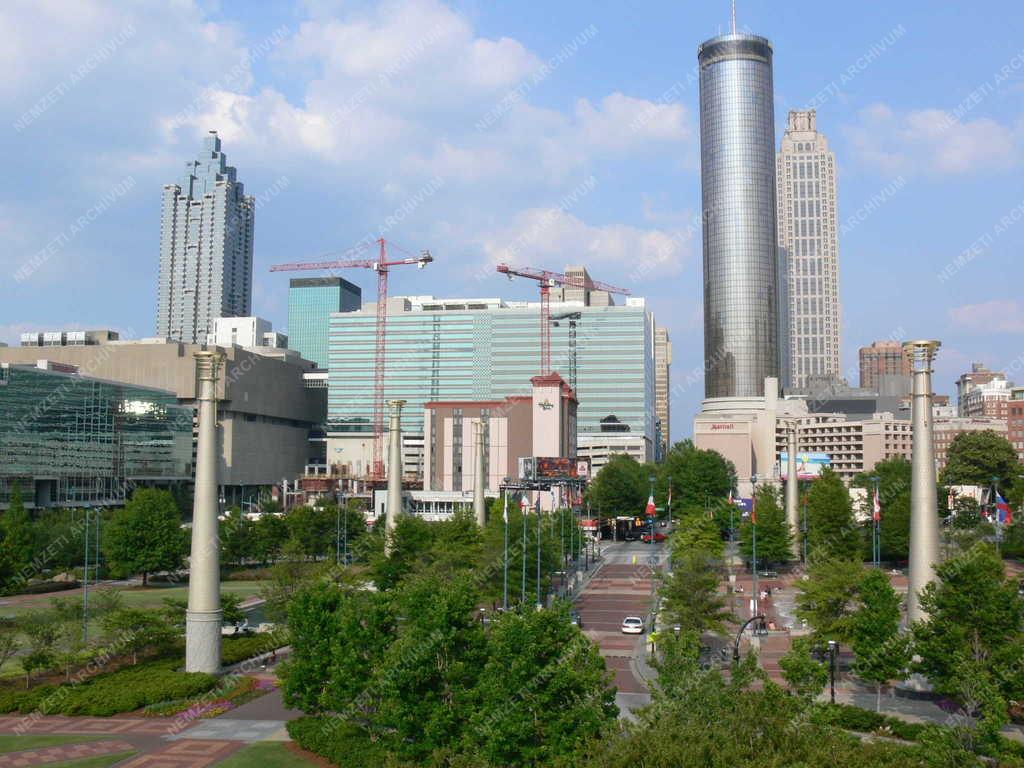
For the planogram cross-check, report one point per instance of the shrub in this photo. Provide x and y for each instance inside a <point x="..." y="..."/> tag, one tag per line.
<point x="236" y="649"/>
<point x="112" y="693"/>
<point x="853" y="718"/>
<point x="341" y="743"/>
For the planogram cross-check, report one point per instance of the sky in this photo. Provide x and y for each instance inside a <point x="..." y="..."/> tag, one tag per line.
<point x="543" y="134"/>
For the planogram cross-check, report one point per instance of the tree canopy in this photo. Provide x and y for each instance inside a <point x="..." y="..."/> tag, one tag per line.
<point x="621" y="487"/>
<point x="831" y="529"/>
<point x="974" y="458"/>
<point x="145" y="536"/>
<point x="774" y="541"/>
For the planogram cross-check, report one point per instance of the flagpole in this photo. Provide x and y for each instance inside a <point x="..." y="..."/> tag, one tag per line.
<point x="753" y="527"/>
<point x="538" y="549"/>
<point x="504" y="586"/>
<point x="522" y="508"/>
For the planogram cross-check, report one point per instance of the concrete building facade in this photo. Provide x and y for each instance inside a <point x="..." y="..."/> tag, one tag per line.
<point x="809" y="236"/>
<point x="882" y="358"/>
<point x="740" y="240"/>
<point x="1015" y="421"/>
<point x="206" y="241"/>
<point x="245" y="332"/>
<point x="979" y="375"/>
<point x="265" y="411"/>
<point x="662" y="390"/>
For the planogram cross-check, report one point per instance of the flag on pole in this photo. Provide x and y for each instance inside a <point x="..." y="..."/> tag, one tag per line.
<point x="651" y="510"/>
<point x="524" y="504"/>
<point x="669" y="496"/>
<point x="876" y="507"/>
<point x="753" y="510"/>
<point x="1003" y="511"/>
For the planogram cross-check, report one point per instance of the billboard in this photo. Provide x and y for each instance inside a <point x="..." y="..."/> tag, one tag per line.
<point x="549" y="468"/>
<point x="808" y="465"/>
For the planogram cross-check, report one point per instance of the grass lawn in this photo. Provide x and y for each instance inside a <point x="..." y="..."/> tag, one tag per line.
<point x="143" y="598"/>
<point x="266" y="754"/>
<point x="139" y="597"/>
<point x="102" y="761"/>
<point x="15" y="743"/>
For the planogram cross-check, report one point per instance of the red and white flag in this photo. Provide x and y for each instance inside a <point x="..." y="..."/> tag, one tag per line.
<point x="651" y="510"/>
<point x="876" y="507"/>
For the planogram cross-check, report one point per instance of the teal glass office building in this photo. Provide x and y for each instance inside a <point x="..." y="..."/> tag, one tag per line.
<point x="70" y="440"/>
<point x="486" y="349"/>
<point x="311" y="300"/>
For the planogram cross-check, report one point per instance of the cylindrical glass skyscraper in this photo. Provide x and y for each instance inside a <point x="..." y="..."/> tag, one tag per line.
<point x="737" y="149"/>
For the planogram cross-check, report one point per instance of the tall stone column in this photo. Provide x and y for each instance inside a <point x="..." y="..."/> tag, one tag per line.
<point x="924" y="520"/>
<point x="480" y="478"/>
<point x="792" y="516"/>
<point x="394" y="503"/>
<point x="203" y="617"/>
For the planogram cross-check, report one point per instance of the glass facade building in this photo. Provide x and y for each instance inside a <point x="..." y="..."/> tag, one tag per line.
<point x="488" y="350"/>
<point x="741" y="268"/>
<point x="70" y="440"/>
<point x="311" y="301"/>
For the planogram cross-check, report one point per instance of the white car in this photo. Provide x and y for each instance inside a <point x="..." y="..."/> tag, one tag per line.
<point x="632" y="625"/>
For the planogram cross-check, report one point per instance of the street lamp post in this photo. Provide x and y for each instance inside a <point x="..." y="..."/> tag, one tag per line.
<point x="753" y="549"/>
<point x="876" y="531"/>
<point x="832" y="648"/>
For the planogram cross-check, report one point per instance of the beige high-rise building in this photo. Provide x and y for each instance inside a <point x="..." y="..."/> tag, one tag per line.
<point x="809" y="235"/>
<point x="662" y="382"/>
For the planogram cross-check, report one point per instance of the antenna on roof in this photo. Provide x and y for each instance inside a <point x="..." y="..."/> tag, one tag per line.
<point x="734" y="17"/>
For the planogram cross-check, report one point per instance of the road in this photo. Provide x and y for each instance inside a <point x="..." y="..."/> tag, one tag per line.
<point x="622" y="587"/>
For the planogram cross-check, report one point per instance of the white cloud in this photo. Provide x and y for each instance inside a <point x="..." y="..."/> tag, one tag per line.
<point x="934" y="141"/>
<point x="998" y="315"/>
<point x="553" y="236"/>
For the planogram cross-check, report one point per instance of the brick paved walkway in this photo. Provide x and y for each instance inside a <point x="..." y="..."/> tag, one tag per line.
<point x="62" y="753"/>
<point x="185" y="754"/>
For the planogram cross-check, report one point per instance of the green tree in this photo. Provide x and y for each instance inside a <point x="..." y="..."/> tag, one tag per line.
<point x="17" y="531"/>
<point x="972" y="611"/>
<point x="694" y="531"/>
<point x="974" y="458"/>
<point x="41" y="630"/>
<point x="542" y="693"/>
<point x="692" y="599"/>
<point x="806" y="675"/>
<point x="135" y="630"/>
<point x="966" y="512"/>
<point x="826" y="597"/>
<point x="145" y="536"/>
<point x="338" y="637"/>
<point x="429" y="672"/>
<point x="270" y="533"/>
<point x="774" y="541"/>
<point x="620" y="487"/>
<point x="10" y="643"/>
<point x="699" y="478"/>
<point x="237" y="537"/>
<point x="311" y="530"/>
<point x="831" y="530"/>
<point x="882" y="651"/>
<point x="894" y="499"/>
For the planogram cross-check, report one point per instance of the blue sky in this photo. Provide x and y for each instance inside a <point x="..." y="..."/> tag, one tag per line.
<point x="541" y="133"/>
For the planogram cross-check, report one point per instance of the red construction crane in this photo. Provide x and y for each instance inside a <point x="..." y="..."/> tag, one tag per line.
<point x="547" y="281"/>
<point x="380" y="266"/>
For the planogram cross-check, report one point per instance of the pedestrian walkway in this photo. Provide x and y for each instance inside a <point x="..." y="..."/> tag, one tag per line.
<point x="63" y="753"/>
<point x="187" y="753"/>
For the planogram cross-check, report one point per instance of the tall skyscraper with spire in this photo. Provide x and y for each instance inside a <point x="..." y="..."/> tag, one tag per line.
<point x="809" y="236"/>
<point x="741" y="266"/>
<point x="206" y="235"/>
